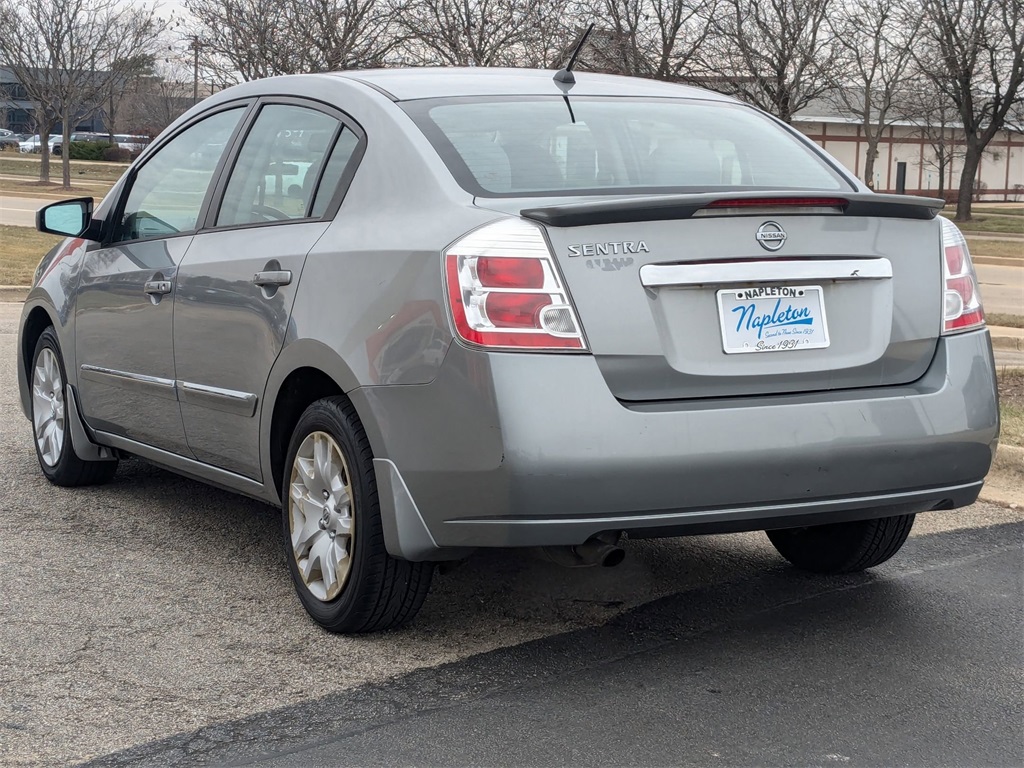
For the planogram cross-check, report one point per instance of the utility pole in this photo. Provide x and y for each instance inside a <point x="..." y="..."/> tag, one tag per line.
<point x="195" y="45"/>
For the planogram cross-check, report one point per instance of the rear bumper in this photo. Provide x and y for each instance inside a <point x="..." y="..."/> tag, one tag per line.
<point x="524" y="449"/>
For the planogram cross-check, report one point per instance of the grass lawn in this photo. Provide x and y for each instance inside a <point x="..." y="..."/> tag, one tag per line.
<point x="21" y="248"/>
<point x="35" y="189"/>
<point x="29" y="166"/>
<point x="1005" y="249"/>
<point x="994" y="224"/>
<point x="1011" y="405"/>
<point x="1000" y="210"/>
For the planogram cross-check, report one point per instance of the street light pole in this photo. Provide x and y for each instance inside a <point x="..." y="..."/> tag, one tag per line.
<point x="194" y="45"/>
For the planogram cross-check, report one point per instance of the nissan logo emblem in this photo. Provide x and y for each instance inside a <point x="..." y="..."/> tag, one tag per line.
<point x="771" y="236"/>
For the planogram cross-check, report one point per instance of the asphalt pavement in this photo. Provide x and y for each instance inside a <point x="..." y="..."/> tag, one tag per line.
<point x="157" y="606"/>
<point x="20" y="211"/>
<point x="918" y="663"/>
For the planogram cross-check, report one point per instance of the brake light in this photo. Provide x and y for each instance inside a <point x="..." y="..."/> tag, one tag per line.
<point x="780" y="202"/>
<point x="505" y="291"/>
<point x="962" y="310"/>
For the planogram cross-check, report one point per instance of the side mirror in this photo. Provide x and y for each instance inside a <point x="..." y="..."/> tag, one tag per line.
<point x="70" y="218"/>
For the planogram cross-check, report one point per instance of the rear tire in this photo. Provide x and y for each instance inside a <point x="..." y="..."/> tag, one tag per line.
<point x="51" y="431"/>
<point x="334" y="542"/>
<point x="843" y="547"/>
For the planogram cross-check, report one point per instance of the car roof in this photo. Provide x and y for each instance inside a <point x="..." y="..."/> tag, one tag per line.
<point x="451" y="82"/>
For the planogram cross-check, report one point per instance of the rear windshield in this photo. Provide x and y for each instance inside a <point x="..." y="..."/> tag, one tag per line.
<point x="548" y="145"/>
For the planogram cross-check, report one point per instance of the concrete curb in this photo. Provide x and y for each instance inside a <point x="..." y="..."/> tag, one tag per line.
<point x="13" y="293"/>
<point x="1005" y="482"/>
<point x="1007" y="338"/>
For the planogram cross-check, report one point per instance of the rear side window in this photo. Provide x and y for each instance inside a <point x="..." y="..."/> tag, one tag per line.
<point x="276" y="175"/>
<point x="595" y="145"/>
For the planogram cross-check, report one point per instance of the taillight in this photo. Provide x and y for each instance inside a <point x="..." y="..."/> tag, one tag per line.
<point x="962" y="309"/>
<point x="505" y="291"/>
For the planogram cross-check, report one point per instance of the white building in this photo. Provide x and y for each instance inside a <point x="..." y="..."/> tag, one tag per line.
<point x="1001" y="174"/>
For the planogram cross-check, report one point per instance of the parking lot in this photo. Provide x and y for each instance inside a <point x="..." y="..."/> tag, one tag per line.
<point x="157" y="606"/>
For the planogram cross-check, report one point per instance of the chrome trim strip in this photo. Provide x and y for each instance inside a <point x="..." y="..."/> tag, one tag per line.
<point x="723" y="273"/>
<point x="228" y="400"/>
<point x="136" y="382"/>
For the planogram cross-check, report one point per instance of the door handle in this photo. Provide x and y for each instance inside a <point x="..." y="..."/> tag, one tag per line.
<point x="157" y="287"/>
<point x="272" y="278"/>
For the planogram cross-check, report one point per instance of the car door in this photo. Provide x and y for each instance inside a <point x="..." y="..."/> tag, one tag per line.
<point x="238" y="279"/>
<point x="123" y="317"/>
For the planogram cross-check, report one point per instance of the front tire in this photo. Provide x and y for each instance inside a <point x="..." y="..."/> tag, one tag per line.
<point x="334" y="542"/>
<point x="50" y="428"/>
<point x="843" y="547"/>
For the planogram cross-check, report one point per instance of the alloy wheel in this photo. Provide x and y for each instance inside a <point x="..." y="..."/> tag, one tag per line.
<point x="48" y="407"/>
<point x="321" y="515"/>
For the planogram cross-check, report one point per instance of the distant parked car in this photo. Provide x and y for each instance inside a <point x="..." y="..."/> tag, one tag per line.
<point x="9" y="143"/>
<point x="34" y="144"/>
<point x="58" y="145"/>
<point x="133" y="143"/>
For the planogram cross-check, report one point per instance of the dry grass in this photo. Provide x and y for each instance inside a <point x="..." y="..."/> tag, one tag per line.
<point x="994" y="224"/>
<point x="1011" y="405"/>
<point x="1004" y="320"/>
<point x="21" y="249"/>
<point x="1004" y="249"/>
<point x="1001" y="210"/>
<point x="29" y="167"/>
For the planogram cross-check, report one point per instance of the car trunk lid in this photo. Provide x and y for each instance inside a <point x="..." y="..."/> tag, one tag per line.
<point x="674" y="291"/>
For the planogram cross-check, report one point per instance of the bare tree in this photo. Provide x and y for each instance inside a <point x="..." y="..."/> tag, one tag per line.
<point x="66" y="53"/>
<point x="974" y="55"/>
<point x="158" y="99"/>
<point x="873" y="40"/>
<point x="776" y="54"/>
<point x="250" y="39"/>
<point x="938" y="125"/>
<point x="649" y="38"/>
<point x="469" y="33"/>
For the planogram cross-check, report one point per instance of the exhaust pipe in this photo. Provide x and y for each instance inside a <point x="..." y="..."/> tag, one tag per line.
<point x="602" y="549"/>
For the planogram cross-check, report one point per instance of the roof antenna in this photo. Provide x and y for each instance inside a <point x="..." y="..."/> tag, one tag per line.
<point x="565" y="74"/>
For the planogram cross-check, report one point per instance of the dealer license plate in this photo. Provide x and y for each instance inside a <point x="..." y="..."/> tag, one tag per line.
<point x="772" y="318"/>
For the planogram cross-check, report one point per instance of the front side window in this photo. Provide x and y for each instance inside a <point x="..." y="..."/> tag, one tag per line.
<point x="282" y="159"/>
<point x="598" y="145"/>
<point x="167" y="194"/>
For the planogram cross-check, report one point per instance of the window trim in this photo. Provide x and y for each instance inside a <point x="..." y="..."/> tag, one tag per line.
<point x="345" y="122"/>
<point x="117" y="211"/>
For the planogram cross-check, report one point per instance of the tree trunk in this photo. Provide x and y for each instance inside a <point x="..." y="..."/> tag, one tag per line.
<point x="869" y="162"/>
<point x="65" y="155"/>
<point x="44" y="155"/>
<point x="942" y="175"/>
<point x="968" y="174"/>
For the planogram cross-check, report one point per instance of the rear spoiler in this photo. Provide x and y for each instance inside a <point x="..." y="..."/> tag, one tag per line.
<point x="672" y="207"/>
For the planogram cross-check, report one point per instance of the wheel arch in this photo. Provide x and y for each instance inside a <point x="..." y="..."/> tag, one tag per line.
<point x="305" y="372"/>
<point x="37" y="320"/>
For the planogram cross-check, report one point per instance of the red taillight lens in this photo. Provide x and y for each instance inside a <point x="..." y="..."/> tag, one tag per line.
<point x="510" y="273"/>
<point x="505" y="291"/>
<point x="962" y="308"/>
<point x="515" y="310"/>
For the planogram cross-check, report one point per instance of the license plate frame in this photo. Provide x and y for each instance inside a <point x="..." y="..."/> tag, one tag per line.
<point x="784" y="318"/>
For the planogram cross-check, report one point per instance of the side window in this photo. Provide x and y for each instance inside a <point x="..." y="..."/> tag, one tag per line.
<point x="275" y="175"/>
<point x="168" y="191"/>
<point x="344" y="148"/>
